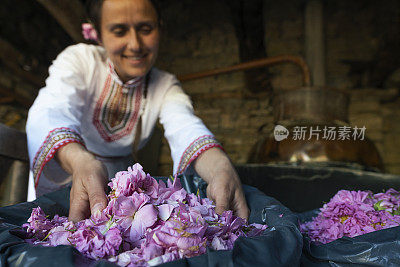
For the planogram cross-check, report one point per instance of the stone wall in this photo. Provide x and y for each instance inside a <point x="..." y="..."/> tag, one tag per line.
<point x="352" y="35"/>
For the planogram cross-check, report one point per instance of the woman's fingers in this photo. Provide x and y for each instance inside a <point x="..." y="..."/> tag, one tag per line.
<point x="227" y="194"/>
<point x="97" y="195"/>
<point x="224" y="186"/>
<point x="240" y="208"/>
<point x="87" y="199"/>
<point x="79" y="204"/>
<point x="232" y="199"/>
<point x="88" y="192"/>
<point x="222" y="202"/>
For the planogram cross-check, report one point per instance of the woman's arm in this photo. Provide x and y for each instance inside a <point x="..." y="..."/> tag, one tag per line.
<point x="55" y="117"/>
<point x="224" y="186"/>
<point x="89" y="180"/>
<point x="192" y="144"/>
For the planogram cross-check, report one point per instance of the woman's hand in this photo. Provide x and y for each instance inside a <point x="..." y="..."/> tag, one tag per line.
<point x="224" y="186"/>
<point x="89" y="181"/>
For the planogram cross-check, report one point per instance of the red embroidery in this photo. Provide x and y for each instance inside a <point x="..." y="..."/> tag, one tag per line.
<point x="116" y="113"/>
<point x="56" y="138"/>
<point x="195" y="148"/>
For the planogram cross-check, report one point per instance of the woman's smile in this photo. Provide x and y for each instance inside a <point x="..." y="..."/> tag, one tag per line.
<point x="135" y="59"/>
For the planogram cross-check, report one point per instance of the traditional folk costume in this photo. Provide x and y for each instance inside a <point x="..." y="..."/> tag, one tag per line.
<point x="84" y="101"/>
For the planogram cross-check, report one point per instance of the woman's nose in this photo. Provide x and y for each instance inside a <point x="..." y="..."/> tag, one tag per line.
<point x="134" y="41"/>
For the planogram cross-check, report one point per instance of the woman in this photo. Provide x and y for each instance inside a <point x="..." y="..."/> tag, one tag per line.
<point x="99" y="101"/>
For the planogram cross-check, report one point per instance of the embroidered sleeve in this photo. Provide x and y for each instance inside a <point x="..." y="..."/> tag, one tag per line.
<point x="197" y="147"/>
<point x="57" y="138"/>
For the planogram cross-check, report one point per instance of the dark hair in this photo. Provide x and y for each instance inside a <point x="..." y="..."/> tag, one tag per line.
<point x="93" y="12"/>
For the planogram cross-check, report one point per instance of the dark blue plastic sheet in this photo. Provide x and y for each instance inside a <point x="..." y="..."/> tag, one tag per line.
<point x="380" y="248"/>
<point x="280" y="244"/>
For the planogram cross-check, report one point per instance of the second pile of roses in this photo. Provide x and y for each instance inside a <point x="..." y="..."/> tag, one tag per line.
<point x="353" y="213"/>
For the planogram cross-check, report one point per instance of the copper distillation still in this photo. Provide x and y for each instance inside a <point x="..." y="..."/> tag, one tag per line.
<point x="307" y="107"/>
<point x="325" y="110"/>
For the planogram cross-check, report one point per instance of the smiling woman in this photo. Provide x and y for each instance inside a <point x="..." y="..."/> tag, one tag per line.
<point x="130" y="35"/>
<point x="100" y="101"/>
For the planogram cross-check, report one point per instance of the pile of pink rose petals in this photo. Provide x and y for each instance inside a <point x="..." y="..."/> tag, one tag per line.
<point x="353" y="213"/>
<point x="146" y="223"/>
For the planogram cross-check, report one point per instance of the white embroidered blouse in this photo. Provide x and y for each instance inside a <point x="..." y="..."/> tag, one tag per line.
<point x="84" y="101"/>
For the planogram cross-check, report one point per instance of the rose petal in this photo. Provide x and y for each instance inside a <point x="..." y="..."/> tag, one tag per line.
<point x="144" y="217"/>
<point x="164" y="211"/>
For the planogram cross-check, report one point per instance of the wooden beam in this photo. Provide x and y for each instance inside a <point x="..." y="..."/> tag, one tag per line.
<point x="10" y="93"/>
<point x="6" y="100"/>
<point x="10" y="56"/>
<point x="70" y="14"/>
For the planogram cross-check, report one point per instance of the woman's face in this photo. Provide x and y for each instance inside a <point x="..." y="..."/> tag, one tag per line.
<point x="130" y="35"/>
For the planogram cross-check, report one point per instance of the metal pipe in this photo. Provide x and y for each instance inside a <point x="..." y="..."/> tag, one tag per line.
<point x="258" y="63"/>
<point x="314" y="41"/>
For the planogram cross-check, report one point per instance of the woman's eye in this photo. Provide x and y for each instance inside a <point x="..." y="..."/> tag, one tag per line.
<point x="118" y="32"/>
<point x="146" y="29"/>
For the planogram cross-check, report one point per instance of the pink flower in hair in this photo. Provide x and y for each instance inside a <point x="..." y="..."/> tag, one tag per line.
<point x="89" y="32"/>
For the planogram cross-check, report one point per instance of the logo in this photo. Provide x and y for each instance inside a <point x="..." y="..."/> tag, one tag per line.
<point x="330" y="133"/>
<point x="280" y="133"/>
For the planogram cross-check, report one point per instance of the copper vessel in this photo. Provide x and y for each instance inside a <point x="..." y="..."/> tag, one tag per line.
<point x="319" y="109"/>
